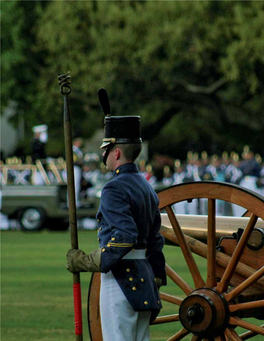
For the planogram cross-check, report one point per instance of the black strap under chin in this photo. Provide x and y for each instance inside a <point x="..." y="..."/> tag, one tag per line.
<point x="108" y="148"/>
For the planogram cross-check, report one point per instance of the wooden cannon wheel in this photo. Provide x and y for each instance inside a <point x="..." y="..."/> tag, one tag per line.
<point x="210" y="310"/>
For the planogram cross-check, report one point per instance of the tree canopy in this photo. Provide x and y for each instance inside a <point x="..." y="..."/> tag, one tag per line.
<point x="193" y="70"/>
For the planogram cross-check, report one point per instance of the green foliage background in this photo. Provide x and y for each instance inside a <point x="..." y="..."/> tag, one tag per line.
<point x="193" y="70"/>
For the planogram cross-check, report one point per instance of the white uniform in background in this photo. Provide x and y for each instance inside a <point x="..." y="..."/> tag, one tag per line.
<point x="192" y="173"/>
<point x="180" y="207"/>
<point x="77" y="173"/>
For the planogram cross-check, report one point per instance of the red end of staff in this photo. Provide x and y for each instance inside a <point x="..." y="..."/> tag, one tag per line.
<point x="77" y="308"/>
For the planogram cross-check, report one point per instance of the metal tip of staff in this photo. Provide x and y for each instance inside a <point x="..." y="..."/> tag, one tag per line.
<point x="64" y="82"/>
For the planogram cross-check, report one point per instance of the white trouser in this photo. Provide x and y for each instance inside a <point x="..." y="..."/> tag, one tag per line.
<point x="118" y="319"/>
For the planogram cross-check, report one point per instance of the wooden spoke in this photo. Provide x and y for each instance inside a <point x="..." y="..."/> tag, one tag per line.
<point x="221" y="259"/>
<point x="220" y="338"/>
<point x="211" y="244"/>
<point x="223" y="284"/>
<point x="246" y="305"/>
<point x="217" y="338"/>
<point x="247" y="214"/>
<point x="180" y="335"/>
<point x="243" y="286"/>
<point x="249" y="334"/>
<point x="232" y="334"/>
<point x="171" y="298"/>
<point x="169" y="235"/>
<point x="236" y="321"/>
<point x="197" y="338"/>
<point x="178" y="280"/>
<point x="166" y="319"/>
<point x="197" y="278"/>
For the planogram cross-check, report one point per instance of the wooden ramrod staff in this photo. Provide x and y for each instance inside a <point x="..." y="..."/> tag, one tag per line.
<point x="64" y="82"/>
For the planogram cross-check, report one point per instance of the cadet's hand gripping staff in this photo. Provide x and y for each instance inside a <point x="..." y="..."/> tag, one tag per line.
<point x="64" y="82"/>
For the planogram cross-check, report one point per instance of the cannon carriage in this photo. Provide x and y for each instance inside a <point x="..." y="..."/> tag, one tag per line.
<point x="214" y="305"/>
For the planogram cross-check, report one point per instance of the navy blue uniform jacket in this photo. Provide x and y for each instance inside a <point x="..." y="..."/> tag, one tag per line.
<point x="129" y="218"/>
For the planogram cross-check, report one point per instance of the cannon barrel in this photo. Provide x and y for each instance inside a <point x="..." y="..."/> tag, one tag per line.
<point x="195" y="226"/>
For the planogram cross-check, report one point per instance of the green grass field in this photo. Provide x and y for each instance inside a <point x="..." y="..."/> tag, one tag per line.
<point x="36" y="288"/>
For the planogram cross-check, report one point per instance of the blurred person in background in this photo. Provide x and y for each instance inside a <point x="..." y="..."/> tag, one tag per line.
<point x="105" y="175"/>
<point x="78" y="162"/>
<point x="207" y="170"/>
<point x="179" y="173"/>
<point x="192" y="174"/>
<point x="167" y="179"/>
<point x="260" y="182"/>
<point x="147" y="172"/>
<point x="250" y="169"/>
<point x="178" y="178"/>
<point x="38" y="145"/>
<point x="39" y="141"/>
<point x="150" y="176"/>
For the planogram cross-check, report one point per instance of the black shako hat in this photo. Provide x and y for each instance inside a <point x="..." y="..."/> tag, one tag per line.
<point x="121" y="129"/>
<point x="118" y="129"/>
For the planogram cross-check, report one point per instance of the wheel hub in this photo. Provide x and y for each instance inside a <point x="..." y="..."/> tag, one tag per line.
<point x="204" y="312"/>
<point x="195" y="314"/>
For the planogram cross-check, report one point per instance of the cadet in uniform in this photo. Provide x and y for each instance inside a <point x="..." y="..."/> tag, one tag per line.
<point x="250" y="169"/>
<point x="38" y="145"/>
<point x="39" y="141"/>
<point x="192" y="174"/>
<point x="178" y="178"/>
<point x="167" y="179"/>
<point x="130" y="256"/>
